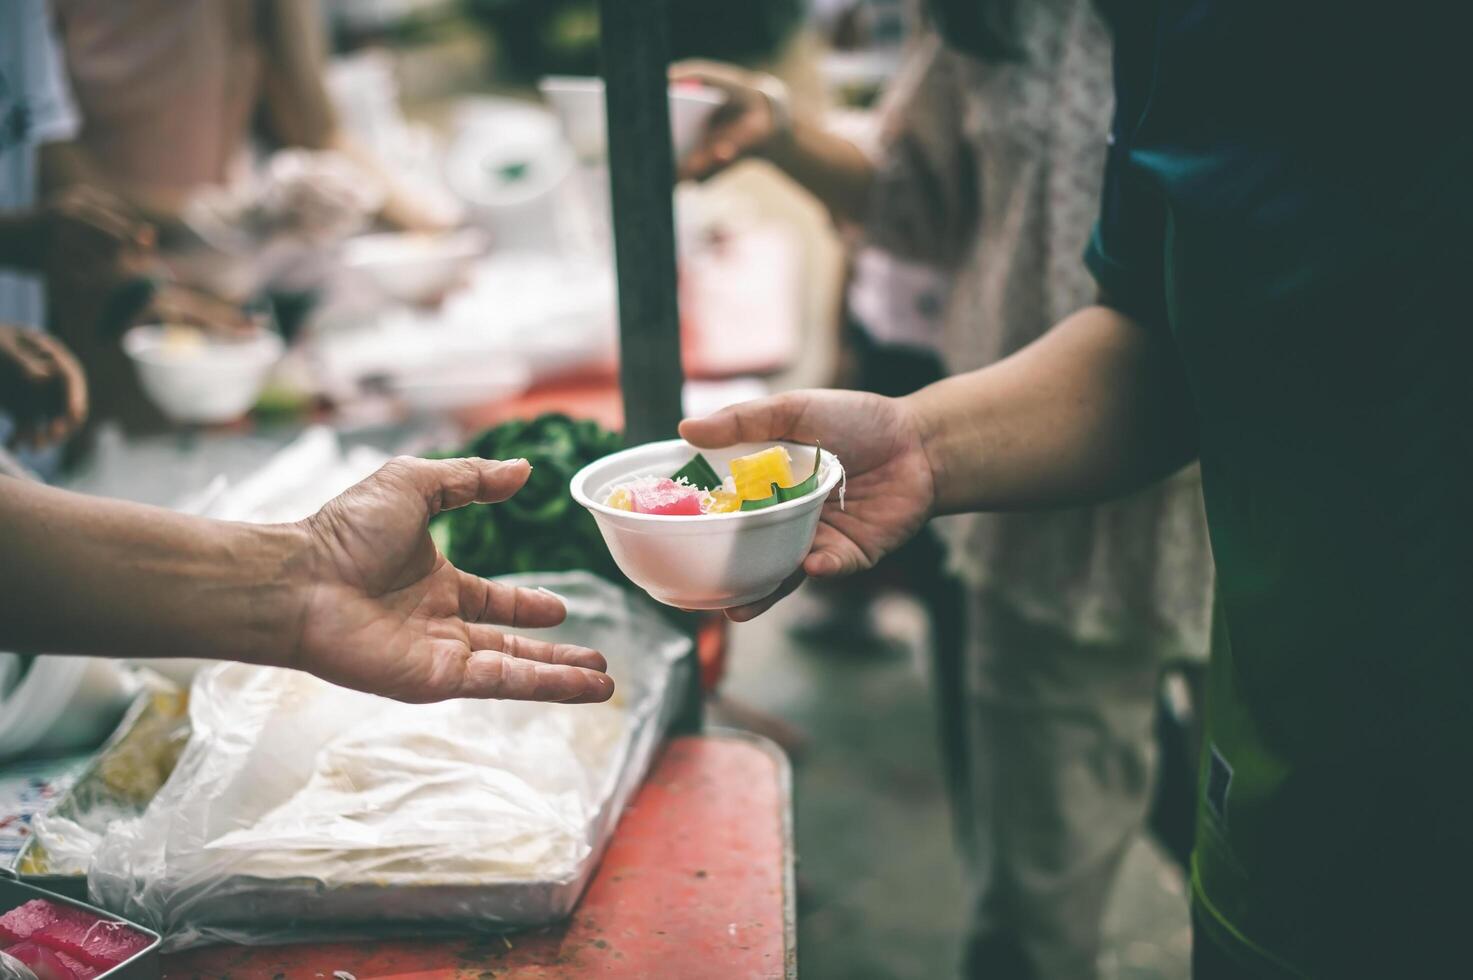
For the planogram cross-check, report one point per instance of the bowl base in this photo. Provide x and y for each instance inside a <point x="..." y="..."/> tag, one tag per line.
<point x="709" y="605"/>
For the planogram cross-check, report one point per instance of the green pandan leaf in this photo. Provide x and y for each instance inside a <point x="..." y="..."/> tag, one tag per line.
<point x="784" y="494"/>
<point x="699" y="473"/>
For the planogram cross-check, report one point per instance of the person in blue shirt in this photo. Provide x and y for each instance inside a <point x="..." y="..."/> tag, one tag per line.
<point x="1282" y="250"/>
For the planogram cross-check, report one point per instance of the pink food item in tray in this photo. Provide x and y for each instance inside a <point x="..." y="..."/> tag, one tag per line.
<point x="21" y="921"/>
<point x="96" y="942"/>
<point x="666" y="497"/>
<point x="66" y="938"/>
<point x="48" y="964"/>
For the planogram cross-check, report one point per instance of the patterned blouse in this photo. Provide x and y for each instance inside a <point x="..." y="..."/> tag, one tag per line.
<point x="993" y="171"/>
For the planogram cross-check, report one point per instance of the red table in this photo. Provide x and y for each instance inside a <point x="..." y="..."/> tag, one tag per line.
<point x="697" y="883"/>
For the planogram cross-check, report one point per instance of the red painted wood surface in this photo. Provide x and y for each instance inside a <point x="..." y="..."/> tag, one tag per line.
<point x="696" y="884"/>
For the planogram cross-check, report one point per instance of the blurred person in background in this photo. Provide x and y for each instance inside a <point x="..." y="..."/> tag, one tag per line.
<point x="169" y="96"/>
<point x="989" y="167"/>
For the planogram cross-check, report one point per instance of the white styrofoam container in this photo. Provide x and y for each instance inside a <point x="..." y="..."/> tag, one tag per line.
<point x="714" y="561"/>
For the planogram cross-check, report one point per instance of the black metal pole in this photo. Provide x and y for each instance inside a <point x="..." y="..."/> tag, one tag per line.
<point x="635" y="42"/>
<point x="635" y="45"/>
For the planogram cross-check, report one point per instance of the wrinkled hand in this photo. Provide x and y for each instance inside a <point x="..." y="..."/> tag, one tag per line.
<point x="42" y="386"/>
<point x="387" y="613"/>
<point x="745" y="126"/>
<point x="891" y="490"/>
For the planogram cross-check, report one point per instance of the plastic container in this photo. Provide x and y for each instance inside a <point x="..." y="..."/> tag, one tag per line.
<point x="200" y="380"/>
<point x="714" y="561"/>
<point x="64" y="704"/>
<point x="579" y="104"/>
<point x="143" y="965"/>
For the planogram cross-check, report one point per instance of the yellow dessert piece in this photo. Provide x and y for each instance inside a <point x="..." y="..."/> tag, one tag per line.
<point x="620" y="499"/>
<point x="723" y="502"/>
<point x="755" y="474"/>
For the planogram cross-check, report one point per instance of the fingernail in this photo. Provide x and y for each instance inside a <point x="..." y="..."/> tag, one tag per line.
<point x="560" y="598"/>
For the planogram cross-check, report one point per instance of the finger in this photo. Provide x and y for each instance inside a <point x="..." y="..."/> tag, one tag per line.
<point x="484" y="601"/>
<point x="106" y="215"/>
<point x="834" y="554"/>
<point x="493" y="674"/>
<point x="527" y="648"/>
<point x="742" y="614"/>
<point x="32" y="357"/>
<point x="762" y="420"/>
<point x="732" y="81"/>
<point x="446" y="484"/>
<point x="717" y="150"/>
<point x="73" y="379"/>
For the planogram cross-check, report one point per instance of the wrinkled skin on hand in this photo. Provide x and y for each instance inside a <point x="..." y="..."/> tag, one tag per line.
<point x="386" y="612"/>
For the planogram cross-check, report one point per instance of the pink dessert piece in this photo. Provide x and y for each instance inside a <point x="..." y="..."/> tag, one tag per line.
<point x="48" y="964"/>
<point x="668" y="498"/>
<point x="21" y="921"/>
<point x="96" y="942"/>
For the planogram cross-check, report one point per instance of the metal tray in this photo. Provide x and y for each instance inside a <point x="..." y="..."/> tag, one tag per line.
<point x="142" y="966"/>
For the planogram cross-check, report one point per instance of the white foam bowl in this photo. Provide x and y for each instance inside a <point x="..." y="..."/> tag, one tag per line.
<point x="206" y="383"/>
<point x="715" y="561"/>
<point x="414" y="267"/>
<point x="579" y="104"/>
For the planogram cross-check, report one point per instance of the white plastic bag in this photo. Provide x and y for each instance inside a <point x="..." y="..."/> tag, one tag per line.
<point x="302" y="811"/>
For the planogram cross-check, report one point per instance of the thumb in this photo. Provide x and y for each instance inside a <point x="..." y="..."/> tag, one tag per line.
<point x="762" y="420"/>
<point x="445" y="484"/>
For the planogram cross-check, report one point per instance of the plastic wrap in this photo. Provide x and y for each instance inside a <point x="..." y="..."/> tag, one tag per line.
<point x="301" y="811"/>
<point x="13" y="969"/>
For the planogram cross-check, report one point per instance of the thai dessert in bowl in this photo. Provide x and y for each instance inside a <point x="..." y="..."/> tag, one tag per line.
<point x="708" y="529"/>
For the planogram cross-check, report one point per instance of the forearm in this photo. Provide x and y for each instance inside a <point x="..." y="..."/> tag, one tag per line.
<point x="95" y="576"/>
<point x="1095" y="408"/>
<point x="828" y="166"/>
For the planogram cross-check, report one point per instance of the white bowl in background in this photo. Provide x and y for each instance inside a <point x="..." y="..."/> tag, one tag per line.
<point x="442" y="387"/>
<point x="714" y="561"/>
<point x="579" y="104"/>
<point x="202" y="380"/>
<point x="414" y="267"/>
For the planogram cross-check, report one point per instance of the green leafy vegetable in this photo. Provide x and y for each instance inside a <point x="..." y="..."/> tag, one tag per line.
<point x="540" y="529"/>
<point x="699" y="473"/>
<point x="782" y="495"/>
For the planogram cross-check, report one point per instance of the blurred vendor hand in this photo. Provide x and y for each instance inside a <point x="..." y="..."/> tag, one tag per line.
<point x="178" y="304"/>
<point x="752" y="120"/>
<point x="87" y="235"/>
<point x="42" y="387"/>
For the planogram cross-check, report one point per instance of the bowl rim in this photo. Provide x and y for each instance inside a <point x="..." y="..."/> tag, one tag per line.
<point x="141" y="343"/>
<point x="831" y="472"/>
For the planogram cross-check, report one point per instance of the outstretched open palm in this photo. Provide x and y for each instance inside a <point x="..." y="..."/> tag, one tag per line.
<point x="388" y="613"/>
<point x="890" y="490"/>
